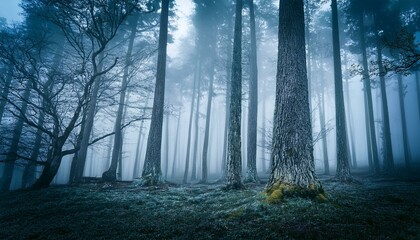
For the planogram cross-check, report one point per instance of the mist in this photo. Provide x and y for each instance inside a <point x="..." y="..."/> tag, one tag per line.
<point x="303" y="104"/>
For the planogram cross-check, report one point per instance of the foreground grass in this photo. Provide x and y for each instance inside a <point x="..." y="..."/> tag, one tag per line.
<point x="378" y="208"/>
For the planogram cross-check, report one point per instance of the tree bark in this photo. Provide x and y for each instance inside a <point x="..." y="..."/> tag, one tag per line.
<point x="152" y="165"/>
<point x="343" y="168"/>
<point x="136" y="172"/>
<point x="253" y="103"/>
<point x="166" y="151"/>
<point x="406" y="143"/>
<point x="292" y="148"/>
<point x="234" y="163"/>
<point x="175" y="158"/>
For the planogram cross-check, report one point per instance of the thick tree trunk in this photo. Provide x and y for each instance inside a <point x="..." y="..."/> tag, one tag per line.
<point x="80" y="161"/>
<point x="368" y="97"/>
<point x="152" y="165"/>
<point x="350" y="120"/>
<point x="6" y="89"/>
<point x="188" y="154"/>
<point x="253" y="103"/>
<point x="234" y="163"/>
<point x="263" y="137"/>
<point x="207" y="129"/>
<point x="343" y="168"/>
<point x="389" y="158"/>
<point x="406" y="143"/>
<point x="11" y="155"/>
<point x="292" y="148"/>
<point x="197" y="118"/>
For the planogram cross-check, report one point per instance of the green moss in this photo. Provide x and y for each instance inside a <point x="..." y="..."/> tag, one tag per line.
<point x="236" y="213"/>
<point x="279" y="191"/>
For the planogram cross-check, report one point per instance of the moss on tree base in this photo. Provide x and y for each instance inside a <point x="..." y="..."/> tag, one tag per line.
<point x="279" y="191"/>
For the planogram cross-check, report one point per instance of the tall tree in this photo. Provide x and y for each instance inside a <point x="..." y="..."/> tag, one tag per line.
<point x="151" y="174"/>
<point x="406" y="143"/>
<point x="292" y="149"/>
<point x="234" y="164"/>
<point x="343" y="167"/>
<point x="111" y="173"/>
<point x="253" y="103"/>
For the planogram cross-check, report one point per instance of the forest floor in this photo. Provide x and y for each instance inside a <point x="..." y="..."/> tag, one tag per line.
<point x="384" y="207"/>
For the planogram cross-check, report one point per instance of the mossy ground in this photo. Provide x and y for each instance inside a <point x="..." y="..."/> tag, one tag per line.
<point x="378" y="208"/>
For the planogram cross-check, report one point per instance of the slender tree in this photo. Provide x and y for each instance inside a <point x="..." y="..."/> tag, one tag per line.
<point x="406" y="143"/>
<point x="253" y="103"/>
<point x="343" y="168"/>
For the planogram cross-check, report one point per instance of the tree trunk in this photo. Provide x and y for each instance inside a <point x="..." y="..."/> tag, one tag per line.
<point x="6" y="89"/>
<point x="79" y="164"/>
<point x="389" y="158"/>
<point x="418" y="91"/>
<point x="321" y="110"/>
<point x="207" y="129"/>
<point x="350" y="120"/>
<point x="368" y="142"/>
<point x="263" y="137"/>
<point x="197" y="117"/>
<point x="292" y="148"/>
<point x="176" y="147"/>
<point x="368" y="92"/>
<point x="166" y="150"/>
<point x="187" y="158"/>
<point x="152" y="165"/>
<point x="111" y="174"/>
<point x="11" y="155"/>
<point x="234" y="163"/>
<point x="74" y="163"/>
<point x="343" y="168"/>
<point x="253" y="103"/>
<point x="406" y="143"/>
<point x="136" y="172"/>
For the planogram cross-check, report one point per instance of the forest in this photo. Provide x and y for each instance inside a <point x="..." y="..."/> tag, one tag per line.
<point x="210" y="119"/>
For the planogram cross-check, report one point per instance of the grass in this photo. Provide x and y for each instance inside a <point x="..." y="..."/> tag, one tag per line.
<point x="377" y="208"/>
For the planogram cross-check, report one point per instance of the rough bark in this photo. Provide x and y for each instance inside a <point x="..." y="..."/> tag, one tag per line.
<point x="207" y="129"/>
<point x="11" y="155"/>
<point x="253" y="103"/>
<point x="368" y="97"/>
<point x="406" y="143"/>
<point x="152" y="172"/>
<point x="234" y="164"/>
<point x="292" y="148"/>
<point x="188" y="154"/>
<point x="343" y="168"/>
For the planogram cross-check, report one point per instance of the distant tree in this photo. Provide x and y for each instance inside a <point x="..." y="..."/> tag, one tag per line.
<point x="292" y="149"/>
<point x="152" y="172"/>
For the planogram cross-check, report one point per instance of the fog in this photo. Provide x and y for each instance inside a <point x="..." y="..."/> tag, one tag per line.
<point x="201" y="34"/>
